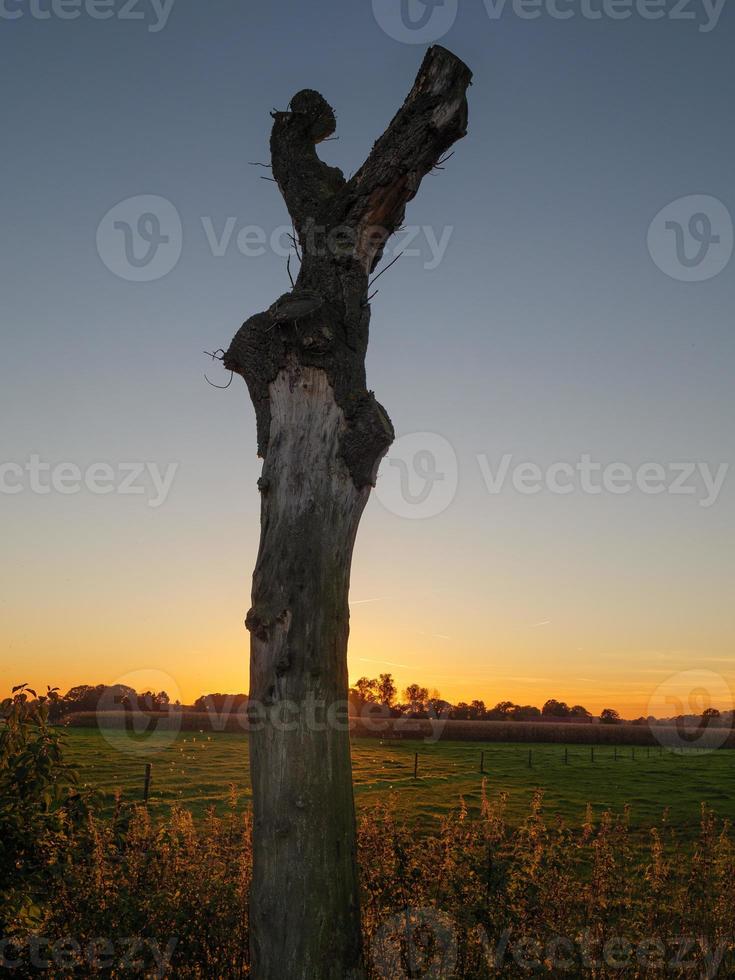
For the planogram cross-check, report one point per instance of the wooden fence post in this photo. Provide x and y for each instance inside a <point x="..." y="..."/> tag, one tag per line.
<point x="415" y="764"/>
<point x="147" y="783"/>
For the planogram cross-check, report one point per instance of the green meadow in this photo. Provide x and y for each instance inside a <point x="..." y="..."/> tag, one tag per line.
<point x="197" y="770"/>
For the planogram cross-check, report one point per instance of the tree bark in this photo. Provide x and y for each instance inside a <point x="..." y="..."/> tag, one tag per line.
<point x="322" y="435"/>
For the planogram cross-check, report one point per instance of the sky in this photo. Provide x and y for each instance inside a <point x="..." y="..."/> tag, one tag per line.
<point x="555" y="349"/>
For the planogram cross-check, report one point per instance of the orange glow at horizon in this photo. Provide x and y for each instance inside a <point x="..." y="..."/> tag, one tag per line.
<point x="510" y="623"/>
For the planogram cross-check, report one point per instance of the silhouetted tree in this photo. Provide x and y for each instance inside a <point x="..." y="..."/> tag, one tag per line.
<point x="416" y="698"/>
<point x="322" y="435"/>
<point x="525" y="712"/>
<point x="220" y="702"/>
<point x="386" y="689"/>
<point x="477" y="710"/>
<point x="579" y="713"/>
<point x="502" y="710"/>
<point x="367" y="689"/>
<point x="555" y="709"/>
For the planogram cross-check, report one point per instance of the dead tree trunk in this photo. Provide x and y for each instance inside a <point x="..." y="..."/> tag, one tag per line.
<point x="322" y="435"/>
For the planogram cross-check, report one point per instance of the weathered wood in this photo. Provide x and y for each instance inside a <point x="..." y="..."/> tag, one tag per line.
<point x="304" y="902"/>
<point x="322" y="435"/>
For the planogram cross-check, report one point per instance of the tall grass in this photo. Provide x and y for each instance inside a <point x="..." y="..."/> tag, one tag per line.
<point x="125" y="895"/>
<point x="478" y="898"/>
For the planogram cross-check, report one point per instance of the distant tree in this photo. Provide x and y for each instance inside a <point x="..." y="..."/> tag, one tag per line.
<point x="438" y="707"/>
<point x="153" y="701"/>
<point x="367" y="689"/>
<point x="711" y="716"/>
<point x="478" y="711"/>
<point x="556" y="709"/>
<point x="525" y="712"/>
<point x="92" y="697"/>
<point x="502" y="709"/>
<point x="416" y="697"/>
<point x="578" y="711"/>
<point x="219" y="702"/>
<point x="609" y="716"/>
<point x="387" y="689"/>
<point x="461" y="711"/>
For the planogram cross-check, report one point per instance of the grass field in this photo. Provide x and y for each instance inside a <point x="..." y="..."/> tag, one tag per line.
<point x="196" y="771"/>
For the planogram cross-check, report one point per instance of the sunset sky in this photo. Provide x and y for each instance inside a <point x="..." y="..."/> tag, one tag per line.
<point x="544" y="333"/>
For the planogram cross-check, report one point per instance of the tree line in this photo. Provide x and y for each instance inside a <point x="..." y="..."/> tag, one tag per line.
<point x="419" y="702"/>
<point x="382" y="692"/>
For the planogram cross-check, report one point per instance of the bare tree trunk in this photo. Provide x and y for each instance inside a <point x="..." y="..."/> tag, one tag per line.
<point x="322" y="436"/>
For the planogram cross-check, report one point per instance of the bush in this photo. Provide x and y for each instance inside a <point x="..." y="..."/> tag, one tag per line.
<point x="39" y="801"/>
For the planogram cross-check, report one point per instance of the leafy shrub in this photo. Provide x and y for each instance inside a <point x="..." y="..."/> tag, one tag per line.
<point x="39" y="801"/>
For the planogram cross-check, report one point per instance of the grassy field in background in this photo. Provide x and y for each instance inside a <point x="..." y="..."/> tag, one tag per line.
<point x="196" y="771"/>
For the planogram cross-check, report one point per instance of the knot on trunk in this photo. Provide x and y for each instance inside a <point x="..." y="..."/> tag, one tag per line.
<point x="366" y="439"/>
<point x="260" y="622"/>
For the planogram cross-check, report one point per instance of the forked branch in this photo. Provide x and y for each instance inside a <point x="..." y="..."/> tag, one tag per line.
<point x="371" y="205"/>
